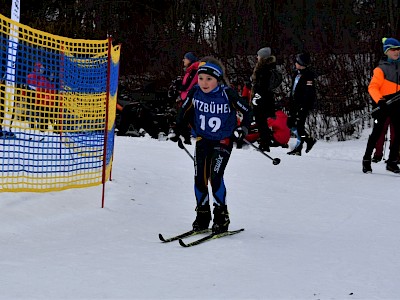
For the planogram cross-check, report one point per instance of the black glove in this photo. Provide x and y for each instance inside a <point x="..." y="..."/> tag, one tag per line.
<point x="177" y="83"/>
<point x="174" y="135"/>
<point x="174" y="88"/>
<point x="382" y="109"/>
<point x="240" y="133"/>
<point x="383" y="105"/>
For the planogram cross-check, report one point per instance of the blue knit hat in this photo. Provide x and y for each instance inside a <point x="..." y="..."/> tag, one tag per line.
<point x="390" y="43"/>
<point x="303" y="59"/>
<point x="212" y="70"/>
<point x="191" y="56"/>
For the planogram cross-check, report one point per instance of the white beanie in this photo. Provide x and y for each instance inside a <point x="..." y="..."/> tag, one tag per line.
<point x="264" y="52"/>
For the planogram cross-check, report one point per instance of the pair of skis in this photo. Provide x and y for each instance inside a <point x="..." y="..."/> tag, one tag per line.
<point x="210" y="236"/>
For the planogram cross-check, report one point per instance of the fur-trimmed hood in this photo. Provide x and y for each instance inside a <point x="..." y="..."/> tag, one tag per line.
<point x="263" y="65"/>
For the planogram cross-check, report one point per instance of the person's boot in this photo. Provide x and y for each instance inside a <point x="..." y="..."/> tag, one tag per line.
<point x="376" y="158"/>
<point x="392" y="166"/>
<point x="366" y="165"/>
<point x="296" y="151"/>
<point x="203" y="218"/>
<point x="221" y="219"/>
<point x="310" y="143"/>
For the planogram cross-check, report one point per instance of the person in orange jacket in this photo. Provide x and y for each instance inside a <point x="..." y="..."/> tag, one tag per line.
<point x="384" y="86"/>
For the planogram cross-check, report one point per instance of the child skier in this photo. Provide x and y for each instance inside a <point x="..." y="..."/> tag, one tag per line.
<point x="210" y="109"/>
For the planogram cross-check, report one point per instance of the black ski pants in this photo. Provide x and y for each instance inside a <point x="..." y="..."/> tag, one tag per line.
<point x="394" y="113"/>
<point x="210" y="161"/>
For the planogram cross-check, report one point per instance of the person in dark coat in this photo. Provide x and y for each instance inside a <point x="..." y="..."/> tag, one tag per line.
<point x="263" y="98"/>
<point x="302" y="99"/>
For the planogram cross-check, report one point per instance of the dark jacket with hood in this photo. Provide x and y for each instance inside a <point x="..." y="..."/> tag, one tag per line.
<point x="303" y="94"/>
<point x="263" y="98"/>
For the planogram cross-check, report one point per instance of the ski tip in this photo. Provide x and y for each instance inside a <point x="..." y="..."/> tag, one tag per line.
<point x="160" y="236"/>
<point x="182" y="243"/>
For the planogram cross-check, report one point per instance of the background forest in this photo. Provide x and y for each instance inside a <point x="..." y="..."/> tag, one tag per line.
<point x="343" y="37"/>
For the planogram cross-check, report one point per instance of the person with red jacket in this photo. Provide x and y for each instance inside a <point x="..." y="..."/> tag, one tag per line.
<point x="384" y="86"/>
<point x="280" y="130"/>
<point x="189" y="79"/>
<point x="182" y="85"/>
<point x="44" y="98"/>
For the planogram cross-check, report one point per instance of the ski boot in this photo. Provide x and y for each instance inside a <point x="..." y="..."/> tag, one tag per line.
<point x="221" y="219"/>
<point x="366" y="165"/>
<point x="203" y="218"/>
<point x="310" y="143"/>
<point x="392" y="167"/>
<point x="296" y="151"/>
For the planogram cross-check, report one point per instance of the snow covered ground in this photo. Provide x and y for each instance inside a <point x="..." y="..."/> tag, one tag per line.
<point x="316" y="228"/>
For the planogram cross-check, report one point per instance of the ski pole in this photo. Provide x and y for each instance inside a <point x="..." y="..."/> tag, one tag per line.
<point x="384" y="146"/>
<point x="182" y="146"/>
<point x="368" y="114"/>
<point x="275" y="161"/>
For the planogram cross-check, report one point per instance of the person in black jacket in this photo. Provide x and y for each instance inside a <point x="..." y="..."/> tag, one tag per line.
<point x="302" y="99"/>
<point x="263" y="97"/>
